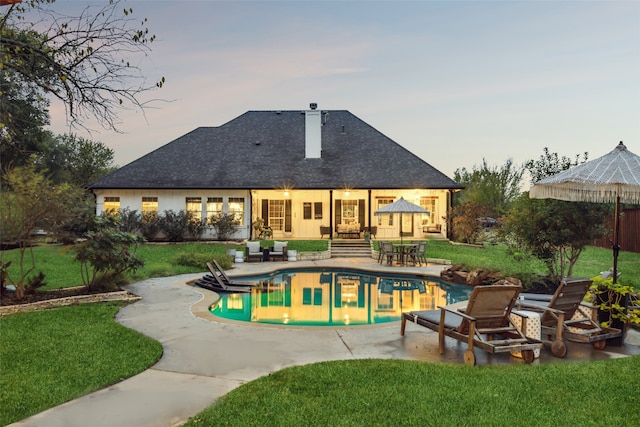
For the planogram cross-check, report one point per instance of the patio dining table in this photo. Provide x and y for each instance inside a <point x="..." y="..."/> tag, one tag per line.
<point x="402" y="251"/>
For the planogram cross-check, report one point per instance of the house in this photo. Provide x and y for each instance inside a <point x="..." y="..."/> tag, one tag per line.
<point x="296" y="170"/>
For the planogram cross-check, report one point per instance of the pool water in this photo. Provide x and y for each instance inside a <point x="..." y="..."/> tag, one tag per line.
<point x="332" y="297"/>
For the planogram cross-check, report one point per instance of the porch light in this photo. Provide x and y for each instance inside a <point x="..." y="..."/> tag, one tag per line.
<point x="286" y="193"/>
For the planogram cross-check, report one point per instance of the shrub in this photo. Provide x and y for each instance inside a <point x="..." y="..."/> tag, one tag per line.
<point x="225" y="225"/>
<point x="174" y="224"/>
<point x="192" y="259"/>
<point x="150" y="225"/>
<point x="107" y="253"/>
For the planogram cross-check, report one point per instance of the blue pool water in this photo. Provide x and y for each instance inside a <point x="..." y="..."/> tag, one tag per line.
<point x="335" y="297"/>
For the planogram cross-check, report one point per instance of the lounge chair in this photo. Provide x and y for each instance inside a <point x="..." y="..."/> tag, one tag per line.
<point x="563" y="315"/>
<point x="485" y="318"/>
<point x="278" y="250"/>
<point x="223" y="276"/>
<point x="254" y="251"/>
<point x="214" y="283"/>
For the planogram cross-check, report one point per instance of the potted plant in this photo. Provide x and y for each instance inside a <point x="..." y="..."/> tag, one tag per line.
<point x="618" y="305"/>
<point x="263" y="232"/>
<point x="367" y="235"/>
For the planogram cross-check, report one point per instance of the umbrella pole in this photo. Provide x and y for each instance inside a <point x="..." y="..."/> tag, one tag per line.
<point x="616" y="233"/>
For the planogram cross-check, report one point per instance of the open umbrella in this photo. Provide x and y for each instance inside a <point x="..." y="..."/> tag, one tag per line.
<point x="614" y="177"/>
<point x="401" y="206"/>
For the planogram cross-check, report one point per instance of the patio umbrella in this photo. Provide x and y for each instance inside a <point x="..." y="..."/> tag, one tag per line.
<point x="401" y="206"/>
<point x="614" y="177"/>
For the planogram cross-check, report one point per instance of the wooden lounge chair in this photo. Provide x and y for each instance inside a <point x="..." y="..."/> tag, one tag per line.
<point x="563" y="315"/>
<point x="214" y="283"/>
<point x="485" y="322"/>
<point x="223" y="276"/>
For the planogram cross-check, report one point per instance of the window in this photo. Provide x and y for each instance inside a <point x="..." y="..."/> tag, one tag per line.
<point x="306" y="210"/>
<point x="317" y="210"/>
<point x="385" y="219"/>
<point x="276" y="215"/>
<point x="194" y="207"/>
<point x="349" y="211"/>
<point x="112" y="205"/>
<point x="214" y="206"/>
<point x="236" y="207"/>
<point x="429" y="203"/>
<point x="149" y="205"/>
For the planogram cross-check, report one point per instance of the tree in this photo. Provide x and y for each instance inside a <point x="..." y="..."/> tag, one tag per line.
<point x="85" y="61"/>
<point x="28" y="201"/>
<point x="23" y="115"/>
<point x="491" y="187"/>
<point x="554" y="231"/>
<point x="75" y="160"/>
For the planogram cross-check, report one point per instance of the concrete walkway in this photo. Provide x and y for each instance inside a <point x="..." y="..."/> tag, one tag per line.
<point x="204" y="357"/>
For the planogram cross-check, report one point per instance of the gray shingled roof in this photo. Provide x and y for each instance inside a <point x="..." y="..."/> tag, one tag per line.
<point x="266" y="150"/>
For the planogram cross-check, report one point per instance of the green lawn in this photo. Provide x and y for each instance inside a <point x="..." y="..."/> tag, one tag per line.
<point x="409" y="393"/>
<point x="162" y="260"/>
<point x="51" y="356"/>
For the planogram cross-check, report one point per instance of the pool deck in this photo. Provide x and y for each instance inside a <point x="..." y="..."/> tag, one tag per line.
<point x="204" y="357"/>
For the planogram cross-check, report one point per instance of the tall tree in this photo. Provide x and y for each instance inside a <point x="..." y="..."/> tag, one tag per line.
<point x="84" y="61"/>
<point x="23" y="115"/>
<point x="75" y="160"/>
<point x="493" y="188"/>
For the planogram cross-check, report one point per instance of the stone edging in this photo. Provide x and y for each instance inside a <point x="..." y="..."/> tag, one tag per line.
<point x="60" y="302"/>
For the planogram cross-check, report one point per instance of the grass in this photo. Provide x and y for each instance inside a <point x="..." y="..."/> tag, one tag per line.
<point x="60" y="269"/>
<point x="52" y="356"/>
<point x="410" y="393"/>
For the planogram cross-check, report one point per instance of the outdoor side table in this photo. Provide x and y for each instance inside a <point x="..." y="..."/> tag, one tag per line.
<point x="265" y="254"/>
<point x="529" y="323"/>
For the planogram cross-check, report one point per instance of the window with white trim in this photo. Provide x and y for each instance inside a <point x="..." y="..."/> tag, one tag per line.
<point x="276" y="214"/>
<point x="111" y="205"/>
<point x="236" y="207"/>
<point x="214" y="206"/>
<point x="194" y="207"/>
<point x="385" y="219"/>
<point x="149" y="205"/>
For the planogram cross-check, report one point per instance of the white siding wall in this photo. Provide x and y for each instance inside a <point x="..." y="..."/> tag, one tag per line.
<point x="176" y="200"/>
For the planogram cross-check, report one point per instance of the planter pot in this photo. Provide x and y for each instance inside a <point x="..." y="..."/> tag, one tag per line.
<point x="239" y="257"/>
<point x="292" y="255"/>
<point x="231" y="252"/>
<point x="605" y="316"/>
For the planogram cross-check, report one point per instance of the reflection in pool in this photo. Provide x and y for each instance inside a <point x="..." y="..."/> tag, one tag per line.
<point x="330" y="297"/>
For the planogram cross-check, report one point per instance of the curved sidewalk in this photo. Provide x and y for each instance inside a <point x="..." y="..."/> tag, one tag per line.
<point x="204" y="358"/>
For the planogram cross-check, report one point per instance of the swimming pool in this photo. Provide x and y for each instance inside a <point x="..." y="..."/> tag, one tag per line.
<point x="335" y="297"/>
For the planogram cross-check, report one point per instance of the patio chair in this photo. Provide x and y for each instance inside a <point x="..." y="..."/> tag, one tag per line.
<point x="223" y="276"/>
<point x="278" y="250"/>
<point x="485" y="322"/>
<point x="421" y="252"/>
<point x="254" y="251"/>
<point x="386" y="252"/>
<point x="564" y="315"/>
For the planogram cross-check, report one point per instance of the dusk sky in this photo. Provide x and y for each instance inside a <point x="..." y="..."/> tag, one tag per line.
<point x="452" y="81"/>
